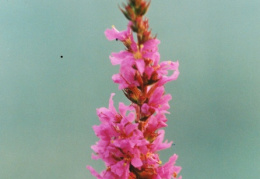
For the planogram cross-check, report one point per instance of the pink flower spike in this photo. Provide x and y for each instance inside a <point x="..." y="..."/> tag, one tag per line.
<point x="130" y="136"/>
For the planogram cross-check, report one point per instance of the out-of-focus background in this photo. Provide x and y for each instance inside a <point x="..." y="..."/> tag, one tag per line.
<point x="48" y="103"/>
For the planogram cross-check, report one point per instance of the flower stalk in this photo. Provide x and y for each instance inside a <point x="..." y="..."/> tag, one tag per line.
<point x="131" y="137"/>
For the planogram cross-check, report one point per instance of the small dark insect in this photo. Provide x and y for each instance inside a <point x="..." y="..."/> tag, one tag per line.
<point x="61" y="56"/>
<point x="116" y="39"/>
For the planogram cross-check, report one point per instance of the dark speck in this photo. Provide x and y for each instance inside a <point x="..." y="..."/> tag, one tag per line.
<point x="116" y="39"/>
<point x="61" y="56"/>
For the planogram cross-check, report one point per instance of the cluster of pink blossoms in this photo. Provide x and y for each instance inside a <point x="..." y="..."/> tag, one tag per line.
<point x="131" y="137"/>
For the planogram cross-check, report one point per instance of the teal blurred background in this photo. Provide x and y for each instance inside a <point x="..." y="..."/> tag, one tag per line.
<point x="48" y="104"/>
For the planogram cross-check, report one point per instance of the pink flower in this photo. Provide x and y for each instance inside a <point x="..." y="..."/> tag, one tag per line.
<point x="163" y="71"/>
<point x="158" y="143"/>
<point x="156" y="122"/>
<point x="126" y="77"/>
<point x="169" y="170"/>
<point x="113" y="34"/>
<point x="158" y="102"/>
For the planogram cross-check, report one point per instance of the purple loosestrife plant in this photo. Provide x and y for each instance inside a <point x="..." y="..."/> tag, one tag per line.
<point x="131" y="136"/>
